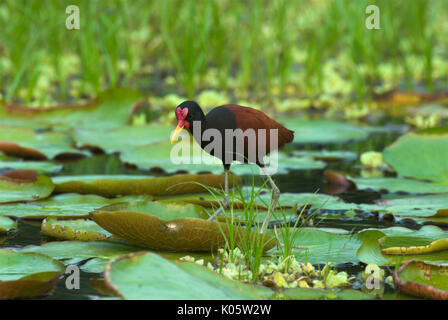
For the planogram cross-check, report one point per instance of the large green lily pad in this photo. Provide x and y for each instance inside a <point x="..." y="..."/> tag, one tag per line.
<point x="422" y="279"/>
<point x="7" y="224"/>
<point x="284" y="164"/>
<point x="171" y="226"/>
<point x="26" y="143"/>
<point x="187" y="155"/>
<point x="148" y="276"/>
<point x="112" y="109"/>
<point x="371" y="252"/>
<point x="399" y="185"/>
<point x="41" y="167"/>
<point x="320" y="247"/>
<point x="71" y="252"/>
<point x="422" y="154"/>
<point x="123" y="138"/>
<point x="27" y="274"/>
<point x="77" y="229"/>
<point x="324" y="131"/>
<point x="320" y="294"/>
<point x="326" y="155"/>
<point x="12" y="190"/>
<point x="112" y="185"/>
<point x="410" y="241"/>
<point x="63" y="206"/>
<point x="414" y="206"/>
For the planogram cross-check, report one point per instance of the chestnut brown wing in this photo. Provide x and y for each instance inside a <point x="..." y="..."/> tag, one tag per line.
<point x="249" y="118"/>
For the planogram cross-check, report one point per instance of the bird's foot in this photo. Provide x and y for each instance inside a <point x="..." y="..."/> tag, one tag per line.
<point x="214" y="215"/>
<point x="224" y="206"/>
<point x="225" y="203"/>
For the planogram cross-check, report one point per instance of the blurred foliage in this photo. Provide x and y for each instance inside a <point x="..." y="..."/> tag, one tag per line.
<point x="246" y="50"/>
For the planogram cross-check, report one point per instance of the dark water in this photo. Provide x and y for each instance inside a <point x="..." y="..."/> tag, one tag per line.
<point x="296" y="181"/>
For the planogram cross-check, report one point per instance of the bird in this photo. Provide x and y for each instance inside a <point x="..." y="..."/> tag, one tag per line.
<point x="235" y="144"/>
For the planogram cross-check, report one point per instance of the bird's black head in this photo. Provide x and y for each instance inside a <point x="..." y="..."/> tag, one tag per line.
<point x="186" y="113"/>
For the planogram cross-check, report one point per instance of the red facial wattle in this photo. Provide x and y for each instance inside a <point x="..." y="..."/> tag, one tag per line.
<point x="181" y="114"/>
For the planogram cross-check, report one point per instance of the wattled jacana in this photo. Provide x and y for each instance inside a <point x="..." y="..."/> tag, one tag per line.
<point x="234" y="144"/>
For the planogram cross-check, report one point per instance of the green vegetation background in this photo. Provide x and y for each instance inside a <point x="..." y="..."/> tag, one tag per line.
<point x="248" y="51"/>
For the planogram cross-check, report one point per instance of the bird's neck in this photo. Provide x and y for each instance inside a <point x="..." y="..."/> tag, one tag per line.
<point x="199" y="123"/>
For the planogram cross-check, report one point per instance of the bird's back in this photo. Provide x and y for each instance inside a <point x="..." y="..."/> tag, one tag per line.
<point x="245" y="118"/>
<point x="250" y="118"/>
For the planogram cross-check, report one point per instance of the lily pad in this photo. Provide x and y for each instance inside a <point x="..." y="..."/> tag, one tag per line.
<point x="7" y="224"/>
<point x="95" y="265"/>
<point x="320" y="294"/>
<point x="435" y="246"/>
<point x="64" y="205"/>
<point x="188" y="156"/>
<point x="148" y="276"/>
<point x="41" y="167"/>
<point x="421" y="154"/>
<point x="284" y="164"/>
<point x="26" y="143"/>
<point x="112" y="109"/>
<point x="12" y="190"/>
<point x="170" y="226"/>
<point x="27" y="274"/>
<point x="319" y="247"/>
<point x="326" y="155"/>
<point x="371" y="252"/>
<point x="423" y="280"/>
<point x="123" y="138"/>
<point x="79" y="229"/>
<point x="71" y="252"/>
<point x="112" y="185"/>
<point x="415" y="206"/>
<point x="323" y="131"/>
<point x="398" y="185"/>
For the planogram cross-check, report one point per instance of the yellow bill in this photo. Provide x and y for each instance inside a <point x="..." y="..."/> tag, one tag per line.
<point x="176" y="133"/>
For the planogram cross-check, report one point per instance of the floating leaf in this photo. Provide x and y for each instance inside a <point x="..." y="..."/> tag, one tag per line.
<point x="26" y="143"/>
<point x="435" y="246"/>
<point x="370" y="252"/>
<point x="146" y="275"/>
<point x="41" y="167"/>
<point x="27" y="274"/>
<point x="64" y="205"/>
<point x="72" y="252"/>
<point x="95" y="265"/>
<point x="319" y="247"/>
<point x="112" y="185"/>
<point x="323" y="131"/>
<point x="157" y="225"/>
<point x="188" y="156"/>
<point x="284" y="163"/>
<point x="398" y="185"/>
<point x="415" y="206"/>
<point x="326" y="155"/>
<point x="421" y="154"/>
<point x="123" y="138"/>
<point x="112" y="109"/>
<point x="320" y="294"/>
<point x="7" y="224"/>
<point x="423" y="280"/>
<point x="79" y="229"/>
<point x="12" y="190"/>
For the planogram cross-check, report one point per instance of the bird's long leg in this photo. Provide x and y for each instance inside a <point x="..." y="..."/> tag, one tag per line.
<point x="226" y="188"/>
<point x="225" y="203"/>
<point x="275" y="197"/>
